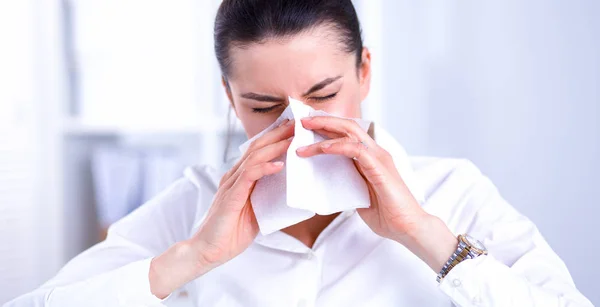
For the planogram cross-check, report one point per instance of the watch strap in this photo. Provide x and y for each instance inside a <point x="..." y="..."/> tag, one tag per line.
<point x="463" y="251"/>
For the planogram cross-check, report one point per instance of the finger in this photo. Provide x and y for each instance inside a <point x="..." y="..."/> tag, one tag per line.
<point x="265" y="154"/>
<point x="248" y="177"/>
<point x="352" y="150"/>
<point x="328" y="134"/>
<point x="316" y="148"/>
<point x="343" y="126"/>
<point x="283" y="132"/>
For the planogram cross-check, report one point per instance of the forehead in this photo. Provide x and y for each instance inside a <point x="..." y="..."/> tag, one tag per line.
<point x="297" y="61"/>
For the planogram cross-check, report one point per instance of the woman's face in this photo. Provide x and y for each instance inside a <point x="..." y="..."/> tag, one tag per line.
<point x="311" y="67"/>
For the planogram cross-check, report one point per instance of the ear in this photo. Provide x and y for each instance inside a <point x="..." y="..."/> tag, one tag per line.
<point x="364" y="73"/>
<point x="228" y="93"/>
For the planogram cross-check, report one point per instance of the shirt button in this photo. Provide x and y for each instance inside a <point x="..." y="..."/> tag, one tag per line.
<point x="310" y="256"/>
<point x="456" y="283"/>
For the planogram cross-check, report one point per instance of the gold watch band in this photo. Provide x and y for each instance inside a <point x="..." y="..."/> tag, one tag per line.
<point x="464" y="254"/>
<point x="464" y="250"/>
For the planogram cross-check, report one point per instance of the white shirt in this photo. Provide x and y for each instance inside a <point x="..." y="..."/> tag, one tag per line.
<point x="348" y="265"/>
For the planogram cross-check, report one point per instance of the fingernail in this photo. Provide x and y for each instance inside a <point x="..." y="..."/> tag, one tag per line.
<point x="290" y="138"/>
<point x="301" y="149"/>
<point x="325" y="145"/>
<point x="307" y="118"/>
<point x="278" y="163"/>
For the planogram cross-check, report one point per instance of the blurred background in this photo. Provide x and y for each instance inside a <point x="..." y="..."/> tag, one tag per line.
<point x="103" y="103"/>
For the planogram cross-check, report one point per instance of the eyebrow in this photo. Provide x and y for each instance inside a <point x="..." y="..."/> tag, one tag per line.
<point x="321" y="85"/>
<point x="267" y="98"/>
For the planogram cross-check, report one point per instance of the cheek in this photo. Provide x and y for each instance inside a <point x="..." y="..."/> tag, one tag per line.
<point x="346" y="105"/>
<point x="342" y="109"/>
<point x="254" y="123"/>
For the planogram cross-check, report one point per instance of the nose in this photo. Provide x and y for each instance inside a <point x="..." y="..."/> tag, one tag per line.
<point x="329" y="108"/>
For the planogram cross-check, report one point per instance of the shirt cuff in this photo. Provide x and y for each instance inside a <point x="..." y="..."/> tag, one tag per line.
<point x="461" y="284"/>
<point x="135" y="286"/>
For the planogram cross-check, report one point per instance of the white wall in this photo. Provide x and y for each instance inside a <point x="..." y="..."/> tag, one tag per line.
<point x="515" y="87"/>
<point x="30" y="244"/>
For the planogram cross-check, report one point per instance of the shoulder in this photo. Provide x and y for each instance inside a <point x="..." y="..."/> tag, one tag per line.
<point x="435" y="173"/>
<point x="205" y="179"/>
<point x="458" y="192"/>
<point x="176" y="209"/>
<point x="197" y="180"/>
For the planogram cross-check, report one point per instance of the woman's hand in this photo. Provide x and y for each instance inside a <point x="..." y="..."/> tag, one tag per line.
<point x="230" y="225"/>
<point x="394" y="212"/>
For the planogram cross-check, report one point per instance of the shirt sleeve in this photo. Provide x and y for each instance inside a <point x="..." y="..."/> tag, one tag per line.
<point x="521" y="268"/>
<point x="115" y="272"/>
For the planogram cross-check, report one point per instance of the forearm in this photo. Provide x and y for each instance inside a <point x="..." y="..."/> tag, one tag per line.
<point x="431" y="241"/>
<point x="125" y="286"/>
<point x="486" y="281"/>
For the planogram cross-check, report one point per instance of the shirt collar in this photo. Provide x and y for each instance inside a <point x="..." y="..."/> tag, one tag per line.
<point x="282" y="241"/>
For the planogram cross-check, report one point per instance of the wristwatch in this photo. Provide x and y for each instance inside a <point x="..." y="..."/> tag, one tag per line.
<point x="468" y="248"/>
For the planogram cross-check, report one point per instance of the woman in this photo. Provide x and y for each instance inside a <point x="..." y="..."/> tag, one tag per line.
<point x="201" y="234"/>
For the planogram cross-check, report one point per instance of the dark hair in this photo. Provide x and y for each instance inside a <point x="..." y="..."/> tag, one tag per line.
<point x="243" y="22"/>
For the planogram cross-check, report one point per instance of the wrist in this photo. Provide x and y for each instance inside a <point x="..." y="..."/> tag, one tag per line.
<point x="431" y="241"/>
<point x="159" y="285"/>
<point x="174" y="268"/>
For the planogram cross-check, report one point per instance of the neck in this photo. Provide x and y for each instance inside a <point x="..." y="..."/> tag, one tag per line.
<point x="307" y="231"/>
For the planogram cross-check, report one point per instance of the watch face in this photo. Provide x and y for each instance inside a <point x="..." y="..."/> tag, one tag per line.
<point x="475" y="243"/>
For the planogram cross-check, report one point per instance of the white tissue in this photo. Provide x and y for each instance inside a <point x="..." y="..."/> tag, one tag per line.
<point x="323" y="184"/>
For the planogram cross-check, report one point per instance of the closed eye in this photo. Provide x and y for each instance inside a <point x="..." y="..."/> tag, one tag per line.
<point x="265" y="110"/>
<point x="269" y="109"/>
<point x="324" y="97"/>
